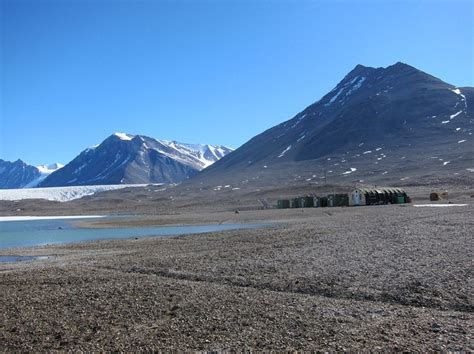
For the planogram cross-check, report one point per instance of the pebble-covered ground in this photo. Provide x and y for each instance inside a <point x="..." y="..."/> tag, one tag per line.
<point x="374" y="278"/>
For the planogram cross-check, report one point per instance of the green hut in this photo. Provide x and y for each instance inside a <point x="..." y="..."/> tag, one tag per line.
<point x="323" y="202"/>
<point x="338" y="200"/>
<point x="317" y="202"/>
<point x="296" y="203"/>
<point x="307" y="202"/>
<point x="283" y="204"/>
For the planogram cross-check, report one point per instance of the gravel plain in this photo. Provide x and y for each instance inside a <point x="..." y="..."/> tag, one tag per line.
<point x="365" y="278"/>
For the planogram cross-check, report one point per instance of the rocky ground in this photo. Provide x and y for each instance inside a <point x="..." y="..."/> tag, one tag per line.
<point x="374" y="278"/>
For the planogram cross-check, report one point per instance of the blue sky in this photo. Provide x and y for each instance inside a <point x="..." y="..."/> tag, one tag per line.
<point x="202" y="71"/>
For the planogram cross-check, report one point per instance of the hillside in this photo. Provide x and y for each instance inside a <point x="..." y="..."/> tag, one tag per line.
<point x="395" y="123"/>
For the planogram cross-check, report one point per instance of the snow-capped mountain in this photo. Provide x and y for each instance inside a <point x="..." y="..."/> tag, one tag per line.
<point x="202" y="155"/>
<point x="377" y="122"/>
<point x="19" y="174"/>
<point x="130" y="159"/>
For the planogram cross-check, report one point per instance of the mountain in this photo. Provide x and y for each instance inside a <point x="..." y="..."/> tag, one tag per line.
<point x="130" y="159"/>
<point x="19" y="174"/>
<point x="16" y="174"/>
<point x="377" y="123"/>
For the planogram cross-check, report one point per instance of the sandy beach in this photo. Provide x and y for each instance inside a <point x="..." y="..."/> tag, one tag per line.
<point x="389" y="277"/>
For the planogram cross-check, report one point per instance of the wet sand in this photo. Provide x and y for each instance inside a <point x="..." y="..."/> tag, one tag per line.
<point x="388" y="277"/>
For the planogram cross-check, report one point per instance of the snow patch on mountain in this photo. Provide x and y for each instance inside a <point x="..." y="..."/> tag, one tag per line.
<point x="298" y="121"/>
<point x="49" y="168"/>
<point x="284" y="151"/>
<point x="123" y="136"/>
<point x="334" y="98"/>
<point x="356" y="86"/>
<point x="455" y="115"/>
<point x="458" y="92"/>
<point x="353" y="169"/>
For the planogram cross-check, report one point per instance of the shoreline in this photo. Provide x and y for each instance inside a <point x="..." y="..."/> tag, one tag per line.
<point x="150" y="229"/>
<point x="51" y="217"/>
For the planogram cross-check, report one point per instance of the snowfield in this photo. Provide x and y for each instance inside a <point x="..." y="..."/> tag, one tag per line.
<point x="45" y="171"/>
<point x="60" y="194"/>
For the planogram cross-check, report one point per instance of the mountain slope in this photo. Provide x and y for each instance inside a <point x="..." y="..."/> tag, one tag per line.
<point x="19" y="174"/>
<point x="376" y="120"/>
<point x="16" y="174"/>
<point x="131" y="159"/>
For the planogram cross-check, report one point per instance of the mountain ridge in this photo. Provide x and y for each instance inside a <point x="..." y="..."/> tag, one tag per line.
<point x="130" y="159"/>
<point x="389" y="108"/>
<point x="19" y="174"/>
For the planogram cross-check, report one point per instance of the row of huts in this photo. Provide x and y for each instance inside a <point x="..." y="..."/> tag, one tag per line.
<point x="360" y="196"/>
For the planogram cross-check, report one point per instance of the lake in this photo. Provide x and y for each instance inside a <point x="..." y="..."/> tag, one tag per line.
<point x="30" y="233"/>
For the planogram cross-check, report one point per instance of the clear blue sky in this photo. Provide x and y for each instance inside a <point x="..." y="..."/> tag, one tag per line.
<point x="201" y="71"/>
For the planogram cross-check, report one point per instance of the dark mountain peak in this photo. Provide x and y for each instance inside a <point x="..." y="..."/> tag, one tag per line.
<point x="113" y="142"/>
<point x="360" y="67"/>
<point x="20" y="162"/>
<point x="132" y="139"/>
<point x="398" y="73"/>
<point x="358" y="71"/>
<point x="401" y="71"/>
<point x="367" y="70"/>
<point x="400" y="64"/>
<point x="375" y="122"/>
<point x="401" y="68"/>
<point x="363" y="82"/>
